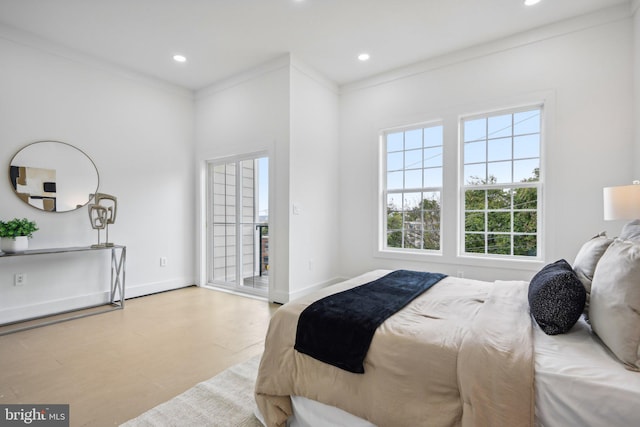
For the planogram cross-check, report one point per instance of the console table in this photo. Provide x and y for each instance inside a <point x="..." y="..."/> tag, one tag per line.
<point x="116" y="296"/>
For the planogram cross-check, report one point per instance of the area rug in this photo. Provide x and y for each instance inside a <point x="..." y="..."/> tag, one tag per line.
<point x="225" y="400"/>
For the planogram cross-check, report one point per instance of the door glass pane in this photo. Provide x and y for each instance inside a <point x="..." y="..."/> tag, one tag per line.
<point x="255" y="223"/>
<point x="239" y="211"/>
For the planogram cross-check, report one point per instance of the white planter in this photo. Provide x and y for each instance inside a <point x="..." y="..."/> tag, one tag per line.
<point x="11" y="245"/>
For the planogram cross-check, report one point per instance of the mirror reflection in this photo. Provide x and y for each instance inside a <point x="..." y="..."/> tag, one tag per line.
<point x="53" y="176"/>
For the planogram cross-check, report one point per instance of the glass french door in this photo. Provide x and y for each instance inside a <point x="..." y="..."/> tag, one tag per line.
<point x="238" y="229"/>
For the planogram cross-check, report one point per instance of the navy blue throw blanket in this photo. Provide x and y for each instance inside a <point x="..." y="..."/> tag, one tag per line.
<point x="338" y="329"/>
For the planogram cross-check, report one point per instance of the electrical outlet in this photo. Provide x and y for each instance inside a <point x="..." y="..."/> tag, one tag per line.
<point x="163" y="261"/>
<point x="19" y="279"/>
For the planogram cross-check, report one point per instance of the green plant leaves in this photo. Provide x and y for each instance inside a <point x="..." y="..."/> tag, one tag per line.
<point x="17" y="227"/>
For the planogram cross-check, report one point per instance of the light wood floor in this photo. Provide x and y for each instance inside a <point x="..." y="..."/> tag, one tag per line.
<point x="112" y="367"/>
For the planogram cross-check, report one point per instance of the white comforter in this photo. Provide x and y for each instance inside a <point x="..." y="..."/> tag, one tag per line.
<point x="458" y="355"/>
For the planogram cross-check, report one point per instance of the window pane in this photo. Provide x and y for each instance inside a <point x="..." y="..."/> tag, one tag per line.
<point x="499" y="221"/>
<point x="475" y="129"/>
<point x="475" y="174"/>
<point x="395" y="141"/>
<point x="474" y="221"/>
<point x="394" y="220"/>
<point x="413" y="234"/>
<point x="475" y="152"/>
<point x="411" y="205"/>
<point x="395" y="161"/>
<point x="526" y="122"/>
<point x="500" y="126"/>
<point x="526" y="146"/>
<point x="525" y="222"/>
<point x="394" y="239"/>
<point x="394" y="203"/>
<point x="413" y="179"/>
<point x="413" y="159"/>
<point x="395" y="180"/>
<point x="525" y="245"/>
<point x="433" y="136"/>
<point x="433" y="177"/>
<point x="474" y="243"/>
<point x="499" y="199"/>
<point x="499" y="244"/>
<point x="526" y="170"/>
<point x="433" y="157"/>
<point x="413" y="139"/>
<point x="431" y="201"/>
<point x="525" y="198"/>
<point x="431" y="221"/>
<point x="474" y="200"/>
<point x="500" y="149"/>
<point x="499" y="172"/>
<point x="432" y="239"/>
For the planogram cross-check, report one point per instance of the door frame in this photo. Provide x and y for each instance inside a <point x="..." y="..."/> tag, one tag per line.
<point x="207" y="229"/>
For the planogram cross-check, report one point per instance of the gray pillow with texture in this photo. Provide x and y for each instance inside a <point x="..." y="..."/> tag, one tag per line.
<point x="614" y="311"/>
<point x="631" y="230"/>
<point x="587" y="258"/>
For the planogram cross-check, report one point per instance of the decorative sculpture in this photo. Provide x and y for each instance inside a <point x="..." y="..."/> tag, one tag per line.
<point x="102" y="213"/>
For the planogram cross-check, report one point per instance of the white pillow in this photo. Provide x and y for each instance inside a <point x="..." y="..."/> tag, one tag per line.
<point x="587" y="258"/>
<point x="614" y="311"/>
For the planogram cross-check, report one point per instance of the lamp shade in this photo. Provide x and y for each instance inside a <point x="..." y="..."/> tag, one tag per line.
<point x="622" y="202"/>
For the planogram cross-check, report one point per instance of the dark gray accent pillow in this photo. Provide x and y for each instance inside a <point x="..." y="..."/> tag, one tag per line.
<point x="556" y="298"/>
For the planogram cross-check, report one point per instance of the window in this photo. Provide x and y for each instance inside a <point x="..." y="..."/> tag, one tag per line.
<point x="413" y="187"/>
<point x="501" y="183"/>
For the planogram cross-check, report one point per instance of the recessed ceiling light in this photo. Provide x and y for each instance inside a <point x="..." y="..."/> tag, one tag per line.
<point x="531" y="2"/>
<point x="179" y="58"/>
<point x="364" y="57"/>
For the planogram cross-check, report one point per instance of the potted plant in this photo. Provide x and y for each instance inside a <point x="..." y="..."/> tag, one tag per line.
<point x="14" y="234"/>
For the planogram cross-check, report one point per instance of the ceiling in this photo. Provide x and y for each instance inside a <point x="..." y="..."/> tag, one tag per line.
<point x="221" y="38"/>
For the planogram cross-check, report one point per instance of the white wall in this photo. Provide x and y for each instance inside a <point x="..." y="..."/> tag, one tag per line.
<point x="314" y="232"/>
<point x="286" y="109"/>
<point x="248" y="114"/>
<point x="139" y="133"/>
<point x="580" y="68"/>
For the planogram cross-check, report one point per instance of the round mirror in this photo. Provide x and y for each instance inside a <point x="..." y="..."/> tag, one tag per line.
<point x="53" y="176"/>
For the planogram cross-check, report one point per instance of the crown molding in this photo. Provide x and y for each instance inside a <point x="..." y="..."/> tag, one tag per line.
<point x="32" y="41"/>
<point x="282" y="61"/>
<point x="558" y="29"/>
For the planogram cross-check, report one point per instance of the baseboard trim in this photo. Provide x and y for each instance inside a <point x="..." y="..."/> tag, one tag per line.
<point x="155" y="287"/>
<point x="282" y="297"/>
<point x="63" y="305"/>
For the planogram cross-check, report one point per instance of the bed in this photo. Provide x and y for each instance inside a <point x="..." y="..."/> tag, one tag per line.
<point x="471" y="353"/>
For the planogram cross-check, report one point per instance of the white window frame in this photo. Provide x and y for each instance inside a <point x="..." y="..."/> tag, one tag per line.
<point x="538" y="185"/>
<point x="383" y="237"/>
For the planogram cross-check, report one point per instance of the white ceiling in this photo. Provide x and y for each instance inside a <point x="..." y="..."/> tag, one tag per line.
<point x="223" y="37"/>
